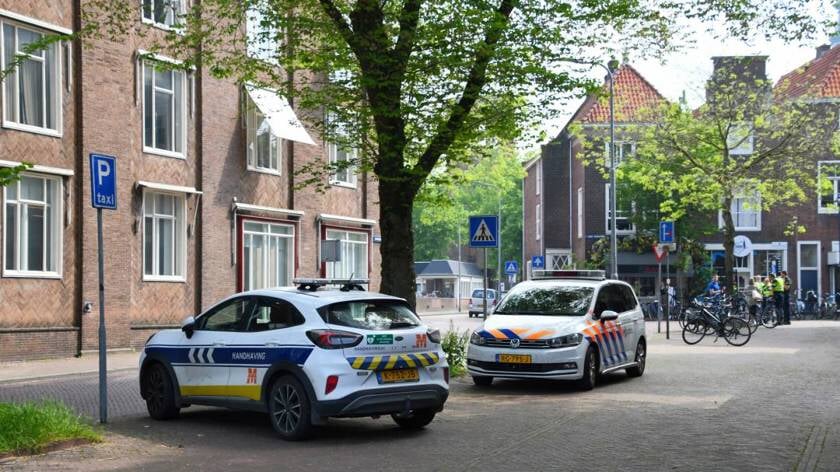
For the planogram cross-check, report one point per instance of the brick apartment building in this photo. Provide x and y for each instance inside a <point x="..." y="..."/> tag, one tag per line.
<point x="565" y="203"/>
<point x="206" y="198"/>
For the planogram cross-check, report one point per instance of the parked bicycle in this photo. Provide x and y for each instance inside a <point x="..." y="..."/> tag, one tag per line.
<point x="734" y="330"/>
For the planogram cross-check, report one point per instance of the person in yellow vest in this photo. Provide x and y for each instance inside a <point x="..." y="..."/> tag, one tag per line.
<point x="766" y="292"/>
<point x="779" y="296"/>
<point x="786" y="295"/>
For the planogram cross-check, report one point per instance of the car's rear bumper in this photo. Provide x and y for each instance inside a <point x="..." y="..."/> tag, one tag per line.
<point x="383" y="401"/>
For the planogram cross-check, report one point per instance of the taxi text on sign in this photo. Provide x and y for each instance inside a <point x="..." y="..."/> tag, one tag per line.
<point x="103" y="181"/>
<point x="484" y="231"/>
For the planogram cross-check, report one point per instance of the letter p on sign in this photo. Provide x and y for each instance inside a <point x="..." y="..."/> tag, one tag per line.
<point x="103" y="181"/>
<point x="103" y="169"/>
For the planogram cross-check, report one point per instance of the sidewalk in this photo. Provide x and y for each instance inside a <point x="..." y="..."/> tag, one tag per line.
<point x="88" y="363"/>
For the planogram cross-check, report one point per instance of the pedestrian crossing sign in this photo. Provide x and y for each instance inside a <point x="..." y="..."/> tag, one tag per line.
<point x="511" y="267"/>
<point x="484" y="231"/>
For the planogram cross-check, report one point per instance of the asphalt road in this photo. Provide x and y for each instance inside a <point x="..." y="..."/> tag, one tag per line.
<point x="773" y="405"/>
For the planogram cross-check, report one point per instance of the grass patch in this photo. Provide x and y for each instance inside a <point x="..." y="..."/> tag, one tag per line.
<point x="26" y="428"/>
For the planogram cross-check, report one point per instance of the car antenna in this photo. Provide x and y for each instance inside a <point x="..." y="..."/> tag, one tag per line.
<point x="349" y="284"/>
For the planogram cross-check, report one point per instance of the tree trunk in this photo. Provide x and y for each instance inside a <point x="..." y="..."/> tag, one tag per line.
<point x="396" y="202"/>
<point x="728" y="245"/>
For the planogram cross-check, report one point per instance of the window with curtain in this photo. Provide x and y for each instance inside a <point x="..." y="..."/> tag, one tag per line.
<point x="746" y="212"/>
<point x="165" y="13"/>
<point x="264" y="149"/>
<point x="164" y="236"/>
<point x="164" y="119"/>
<point x="267" y="254"/>
<point x="33" y="228"/>
<point x="354" y="255"/>
<point x="32" y="91"/>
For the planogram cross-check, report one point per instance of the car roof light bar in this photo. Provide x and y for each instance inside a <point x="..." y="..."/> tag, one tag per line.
<point x="569" y="274"/>
<point x="313" y="284"/>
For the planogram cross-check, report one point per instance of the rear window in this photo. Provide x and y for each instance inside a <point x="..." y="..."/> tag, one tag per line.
<point x="376" y="315"/>
<point x="545" y="299"/>
<point x="479" y="293"/>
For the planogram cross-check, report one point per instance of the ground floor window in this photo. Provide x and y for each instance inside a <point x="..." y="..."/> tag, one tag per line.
<point x="354" y="254"/>
<point x="164" y="236"/>
<point x="267" y="254"/>
<point x="33" y="229"/>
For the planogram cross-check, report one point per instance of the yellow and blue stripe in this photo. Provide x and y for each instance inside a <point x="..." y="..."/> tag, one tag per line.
<point x="394" y="361"/>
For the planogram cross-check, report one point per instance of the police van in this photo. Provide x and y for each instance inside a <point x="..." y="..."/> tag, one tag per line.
<point x="302" y="355"/>
<point x="567" y="325"/>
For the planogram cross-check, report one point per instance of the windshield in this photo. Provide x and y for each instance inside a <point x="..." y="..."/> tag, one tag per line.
<point x="372" y="315"/>
<point x="554" y="300"/>
<point x="479" y="293"/>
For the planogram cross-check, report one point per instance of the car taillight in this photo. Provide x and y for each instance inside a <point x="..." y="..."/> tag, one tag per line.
<point x="434" y="336"/>
<point x="446" y="374"/>
<point x="332" y="383"/>
<point x="333" y="338"/>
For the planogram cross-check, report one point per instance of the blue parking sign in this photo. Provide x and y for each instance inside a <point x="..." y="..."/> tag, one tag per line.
<point x="103" y="181"/>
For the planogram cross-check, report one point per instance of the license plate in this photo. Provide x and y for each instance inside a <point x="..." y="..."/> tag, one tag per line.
<point x="514" y="358"/>
<point x="399" y="375"/>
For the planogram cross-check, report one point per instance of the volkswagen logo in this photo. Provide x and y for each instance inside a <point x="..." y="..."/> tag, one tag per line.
<point x="514" y="343"/>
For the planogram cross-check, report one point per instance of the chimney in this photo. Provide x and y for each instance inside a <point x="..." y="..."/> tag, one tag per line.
<point x="821" y="50"/>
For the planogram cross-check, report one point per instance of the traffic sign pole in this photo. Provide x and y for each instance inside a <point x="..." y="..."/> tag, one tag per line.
<point x="103" y="369"/>
<point x="485" y="284"/>
<point x="667" y="297"/>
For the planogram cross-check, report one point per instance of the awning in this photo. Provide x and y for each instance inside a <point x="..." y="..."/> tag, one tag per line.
<point x="39" y="168"/>
<point x="246" y="207"/>
<point x="347" y="219"/>
<point x="281" y="118"/>
<point x="167" y="187"/>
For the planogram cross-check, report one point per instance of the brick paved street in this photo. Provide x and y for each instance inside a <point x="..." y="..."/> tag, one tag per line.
<point x="773" y="405"/>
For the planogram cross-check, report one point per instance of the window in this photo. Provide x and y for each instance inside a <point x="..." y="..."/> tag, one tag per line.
<point x="580" y="212"/>
<point x="613" y="297"/>
<point x="342" y="161"/>
<point x="232" y="315"/>
<point x="164" y="13"/>
<point x="746" y="212"/>
<point x="546" y="299"/>
<point x="538" y="220"/>
<point x="740" y="139"/>
<point x="164" y="119"/>
<point x="268" y="254"/>
<point x="538" y="171"/>
<point x="264" y="149"/>
<point x="808" y="260"/>
<point x="372" y="315"/>
<point x="164" y="236"/>
<point x="622" y="150"/>
<point x="33" y="227"/>
<point x="828" y="179"/>
<point x="264" y="41"/>
<point x="623" y="210"/>
<point x="354" y="255"/>
<point x="32" y="92"/>
<point x="271" y="313"/>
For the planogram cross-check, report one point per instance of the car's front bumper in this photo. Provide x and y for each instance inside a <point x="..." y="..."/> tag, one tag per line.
<point x="560" y="364"/>
<point x="384" y="401"/>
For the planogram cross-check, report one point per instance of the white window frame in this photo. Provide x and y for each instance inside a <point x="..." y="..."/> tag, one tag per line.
<point x="619" y="152"/>
<point x="747" y="146"/>
<point x="252" y="114"/>
<point x="57" y="241"/>
<point x="619" y="216"/>
<point x="538" y="220"/>
<point x="179" y="231"/>
<point x="343" y="236"/>
<point x="835" y="180"/>
<point x="580" y="212"/>
<point x="800" y="268"/>
<point x="735" y="213"/>
<point x="332" y="155"/>
<point x="182" y="6"/>
<point x="58" y="89"/>
<point x="538" y="171"/>
<point x="260" y="49"/>
<point x="288" y="239"/>
<point x="150" y="63"/>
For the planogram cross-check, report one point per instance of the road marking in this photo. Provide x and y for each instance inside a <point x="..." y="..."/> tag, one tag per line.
<point x="810" y="458"/>
<point x="706" y="402"/>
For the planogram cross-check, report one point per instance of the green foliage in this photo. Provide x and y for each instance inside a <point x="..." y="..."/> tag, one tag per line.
<point x="455" y="344"/>
<point x="448" y="198"/>
<point x="9" y="175"/>
<point x="27" y="428"/>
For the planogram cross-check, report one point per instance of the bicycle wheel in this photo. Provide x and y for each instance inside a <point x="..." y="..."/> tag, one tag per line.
<point x="694" y="331"/>
<point x="769" y="319"/>
<point x="736" y="331"/>
<point x="754" y="323"/>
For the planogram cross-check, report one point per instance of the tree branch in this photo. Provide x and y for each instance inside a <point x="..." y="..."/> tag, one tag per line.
<point x="341" y="24"/>
<point x="447" y="131"/>
<point x="409" y="18"/>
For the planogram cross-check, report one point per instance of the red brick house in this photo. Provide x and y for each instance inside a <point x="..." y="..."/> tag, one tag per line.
<point x="207" y="203"/>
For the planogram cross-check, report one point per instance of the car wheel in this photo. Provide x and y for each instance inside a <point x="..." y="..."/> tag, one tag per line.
<point x="482" y="381"/>
<point x="590" y="370"/>
<point x="641" y="356"/>
<point x="414" y="419"/>
<point x="289" y="409"/>
<point x="160" y="393"/>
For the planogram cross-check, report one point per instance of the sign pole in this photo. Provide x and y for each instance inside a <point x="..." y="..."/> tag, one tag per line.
<point x="659" y="281"/>
<point x="485" y="283"/>
<point x="103" y="372"/>
<point x="667" y="297"/>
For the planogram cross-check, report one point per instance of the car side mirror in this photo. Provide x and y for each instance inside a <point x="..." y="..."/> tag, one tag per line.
<point x="188" y="326"/>
<point x="608" y="315"/>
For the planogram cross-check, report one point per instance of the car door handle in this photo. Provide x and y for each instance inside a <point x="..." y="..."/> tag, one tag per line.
<point x="219" y="343"/>
<point x="272" y="343"/>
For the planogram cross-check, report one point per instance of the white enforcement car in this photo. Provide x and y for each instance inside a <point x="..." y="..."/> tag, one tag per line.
<point x="572" y="325"/>
<point x="302" y="355"/>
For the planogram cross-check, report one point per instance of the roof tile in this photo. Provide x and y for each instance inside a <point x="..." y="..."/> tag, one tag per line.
<point x="633" y="94"/>
<point x="818" y="78"/>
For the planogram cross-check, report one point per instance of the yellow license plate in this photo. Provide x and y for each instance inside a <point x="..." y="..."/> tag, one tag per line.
<point x="514" y="358"/>
<point x="399" y="375"/>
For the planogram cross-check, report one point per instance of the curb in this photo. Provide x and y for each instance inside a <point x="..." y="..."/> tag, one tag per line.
<point x="63" y="374"/>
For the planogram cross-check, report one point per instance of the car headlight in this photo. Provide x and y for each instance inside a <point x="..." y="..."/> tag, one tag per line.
<point x="476" y="338"/>
<point x="566" y="341"/>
